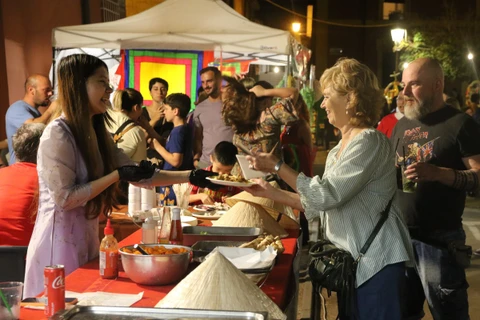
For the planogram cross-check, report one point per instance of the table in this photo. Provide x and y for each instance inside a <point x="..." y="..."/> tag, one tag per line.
<point x="278" y="286"/>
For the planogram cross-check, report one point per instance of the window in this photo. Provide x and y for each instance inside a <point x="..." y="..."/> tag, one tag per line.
<point x="394" y="8"/>
<point x="112" y="10"/>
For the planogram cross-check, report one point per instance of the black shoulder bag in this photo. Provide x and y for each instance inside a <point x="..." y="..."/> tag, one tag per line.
<point x="121" y="132"/>
<point x="334" y="269"/>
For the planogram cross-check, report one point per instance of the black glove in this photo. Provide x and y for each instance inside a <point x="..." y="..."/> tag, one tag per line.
<point x="136" y="173"/>
<point x="198" y="178"/>
<point x="147" y="165"/>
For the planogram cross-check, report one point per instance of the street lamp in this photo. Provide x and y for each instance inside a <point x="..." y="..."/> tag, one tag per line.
<point x="398" y="35"/>
<point x="470" y="56"/>
<point x="398" y="38"/>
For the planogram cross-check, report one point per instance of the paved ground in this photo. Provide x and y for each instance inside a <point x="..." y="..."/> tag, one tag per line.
<point x="471" y="222"/>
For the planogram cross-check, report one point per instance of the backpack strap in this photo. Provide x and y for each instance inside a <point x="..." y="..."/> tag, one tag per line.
<point x="121" y="131"/>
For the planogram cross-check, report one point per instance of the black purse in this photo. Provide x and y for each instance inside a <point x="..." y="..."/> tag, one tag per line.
<point x="334" y="269"/>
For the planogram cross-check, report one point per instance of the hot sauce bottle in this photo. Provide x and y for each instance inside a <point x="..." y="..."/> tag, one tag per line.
<point x="109" y="254"/>
<point x="176" y="232"/>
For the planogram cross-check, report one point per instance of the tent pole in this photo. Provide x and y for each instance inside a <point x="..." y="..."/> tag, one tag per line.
<point x="54" y="59"/>
<point x="221" y="58"/>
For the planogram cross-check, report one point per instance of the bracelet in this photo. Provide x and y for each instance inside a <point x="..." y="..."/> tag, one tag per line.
<point x="278" y="165"/>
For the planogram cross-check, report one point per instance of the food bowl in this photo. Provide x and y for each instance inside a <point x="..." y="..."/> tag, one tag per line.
<point x="155" y="269"/>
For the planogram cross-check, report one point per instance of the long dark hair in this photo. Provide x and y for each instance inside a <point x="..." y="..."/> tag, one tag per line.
<point x="241" y="108"/>
<point x="73" y="72"/>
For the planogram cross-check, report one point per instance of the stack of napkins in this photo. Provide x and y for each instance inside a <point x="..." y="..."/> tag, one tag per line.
<point x="248" y="258"/>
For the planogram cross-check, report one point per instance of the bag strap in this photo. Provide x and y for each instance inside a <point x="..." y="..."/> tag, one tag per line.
<point x="120" y="131"/>
<point x="377" y="228"/>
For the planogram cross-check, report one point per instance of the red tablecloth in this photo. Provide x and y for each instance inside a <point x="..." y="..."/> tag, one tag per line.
<point x="87" y="279"/>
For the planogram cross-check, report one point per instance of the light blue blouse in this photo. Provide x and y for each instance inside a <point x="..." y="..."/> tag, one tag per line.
<point x="354" y="190"/>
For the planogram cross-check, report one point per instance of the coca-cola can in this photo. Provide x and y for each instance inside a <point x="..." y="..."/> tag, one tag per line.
<point x="54" y="279"/>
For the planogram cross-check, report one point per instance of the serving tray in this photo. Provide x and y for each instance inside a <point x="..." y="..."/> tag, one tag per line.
<point x="126" y="313"/>
<point x="191" y="235"/>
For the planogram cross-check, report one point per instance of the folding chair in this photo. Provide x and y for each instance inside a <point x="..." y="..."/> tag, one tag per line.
<point x="12" y="263"/>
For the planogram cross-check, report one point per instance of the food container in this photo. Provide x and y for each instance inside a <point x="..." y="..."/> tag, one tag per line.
<point x="195" y="234"/>
<point x="111" y="313"/>
<point x="155" y="269"/>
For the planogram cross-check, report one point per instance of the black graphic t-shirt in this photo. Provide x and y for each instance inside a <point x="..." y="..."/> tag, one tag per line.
<point x="442" y="138"/>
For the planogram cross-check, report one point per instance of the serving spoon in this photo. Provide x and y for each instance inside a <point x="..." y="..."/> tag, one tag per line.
<point x="139" y="248"/>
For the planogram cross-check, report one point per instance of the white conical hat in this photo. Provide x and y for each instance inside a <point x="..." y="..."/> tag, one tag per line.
<point x="247" y="214"/>
<point x="281" y="213"/>
<point x="217" y="284"/>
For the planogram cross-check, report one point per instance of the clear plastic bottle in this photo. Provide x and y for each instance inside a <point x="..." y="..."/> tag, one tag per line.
<point x="176" y="232"/>
<point x="149" y="231"/>
<point x="164" y="234"/>
<point x="109" y="254"/>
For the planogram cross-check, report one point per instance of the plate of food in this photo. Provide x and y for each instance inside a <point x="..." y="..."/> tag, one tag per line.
<point x="204" y="207"/>
<point x="229" y="180"/>
<point x="209" y="215"/>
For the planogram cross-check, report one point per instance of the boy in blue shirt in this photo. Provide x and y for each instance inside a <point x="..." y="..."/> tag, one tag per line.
<point x="178" y="152"/>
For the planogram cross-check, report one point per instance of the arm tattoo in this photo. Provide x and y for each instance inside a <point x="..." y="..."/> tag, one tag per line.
<point x="466" y="180"/>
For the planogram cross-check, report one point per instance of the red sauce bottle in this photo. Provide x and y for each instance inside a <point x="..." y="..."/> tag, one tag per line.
<point x="109" y="254"/>
<point x="176" y="232"/>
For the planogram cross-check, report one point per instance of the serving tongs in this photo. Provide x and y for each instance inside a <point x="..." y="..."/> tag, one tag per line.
<point x="139" y="248"/>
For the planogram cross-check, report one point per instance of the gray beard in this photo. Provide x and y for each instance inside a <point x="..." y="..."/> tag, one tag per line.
<point x="417" y="111"/>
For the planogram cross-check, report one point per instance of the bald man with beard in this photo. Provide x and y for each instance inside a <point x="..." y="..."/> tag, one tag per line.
<point x="439" y="146"/>
<point x="38" y="91"/>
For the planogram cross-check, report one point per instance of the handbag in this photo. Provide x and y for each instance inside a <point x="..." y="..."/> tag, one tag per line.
<point x="334" y="269"/>
<point x="121" y="131"/>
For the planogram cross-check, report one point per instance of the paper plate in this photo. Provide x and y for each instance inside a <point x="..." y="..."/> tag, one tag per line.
<point x="207" y="216"/>
<point x="232" y="183"/>
<point x="192" y="221"/>
<point x="247" y="172"/>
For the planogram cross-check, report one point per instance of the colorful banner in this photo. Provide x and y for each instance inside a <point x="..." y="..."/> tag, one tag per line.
<point x="179" y="68"/>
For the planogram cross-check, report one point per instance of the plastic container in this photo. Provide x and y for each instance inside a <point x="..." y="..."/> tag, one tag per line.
<point x="164" y="234"/>
<point x="148" y="199"/>
<point x="134" y="199"/>
<point x="149" y="231"/>
<point x="176" y="234"/>
<point x="109" y="254"/>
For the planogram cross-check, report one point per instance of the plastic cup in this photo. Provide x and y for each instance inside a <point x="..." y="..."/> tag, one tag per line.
<point x="10" y="298"/>
<point x="408" y="185"/>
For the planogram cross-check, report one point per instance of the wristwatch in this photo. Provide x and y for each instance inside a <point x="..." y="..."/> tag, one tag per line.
<point x="277" y="166"/>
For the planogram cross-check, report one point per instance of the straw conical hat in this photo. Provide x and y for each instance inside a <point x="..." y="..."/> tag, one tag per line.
<point x="217" y="284"/>
<point x="246" y="214"/>
<point x="280" y="213"/>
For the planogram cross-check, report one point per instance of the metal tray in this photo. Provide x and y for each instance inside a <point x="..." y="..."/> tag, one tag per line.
<point x="126" y="313"/>
<point x="198" y="233"/>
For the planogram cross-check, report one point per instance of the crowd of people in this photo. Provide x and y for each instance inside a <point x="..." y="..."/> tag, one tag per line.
<point x="420" y="253"/>
<point x="78" y="155"/>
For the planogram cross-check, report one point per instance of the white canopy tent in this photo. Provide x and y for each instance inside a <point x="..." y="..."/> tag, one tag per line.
<point x="181" y="25"/>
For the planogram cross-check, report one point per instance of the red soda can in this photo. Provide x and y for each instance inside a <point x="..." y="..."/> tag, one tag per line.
<point x="54" y="280"/>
